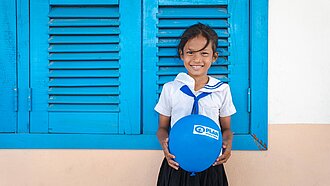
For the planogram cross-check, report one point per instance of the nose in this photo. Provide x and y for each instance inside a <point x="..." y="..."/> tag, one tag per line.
<point x="197" y="58"/>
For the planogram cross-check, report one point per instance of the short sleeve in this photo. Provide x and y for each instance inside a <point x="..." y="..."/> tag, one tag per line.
<point x="227" y="108"/>
<point x="164" y="103"/>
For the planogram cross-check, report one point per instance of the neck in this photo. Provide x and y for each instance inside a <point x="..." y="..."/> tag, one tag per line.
<point x="200" y="82"/>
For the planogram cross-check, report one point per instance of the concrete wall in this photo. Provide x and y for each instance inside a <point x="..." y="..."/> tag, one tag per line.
<point x="298" y="94"/>
<point x="297" y="155"/>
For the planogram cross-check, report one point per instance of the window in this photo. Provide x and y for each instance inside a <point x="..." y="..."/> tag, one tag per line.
<point x="96" y="69"/>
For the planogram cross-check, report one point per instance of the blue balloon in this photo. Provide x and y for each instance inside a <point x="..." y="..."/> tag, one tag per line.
<point x="196" y="142"/>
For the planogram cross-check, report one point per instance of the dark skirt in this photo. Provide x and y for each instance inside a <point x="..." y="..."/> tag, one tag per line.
<point x="213" y="176"/>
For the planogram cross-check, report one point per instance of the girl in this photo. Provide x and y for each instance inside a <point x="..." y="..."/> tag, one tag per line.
<point x="197" y="49"/>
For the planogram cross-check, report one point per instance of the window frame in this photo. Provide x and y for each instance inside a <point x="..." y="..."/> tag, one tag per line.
<point x="257" y="139"/>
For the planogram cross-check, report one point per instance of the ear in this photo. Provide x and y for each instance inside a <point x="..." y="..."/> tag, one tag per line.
<point x="215" y="56"/>
<point x="181" y="54"/>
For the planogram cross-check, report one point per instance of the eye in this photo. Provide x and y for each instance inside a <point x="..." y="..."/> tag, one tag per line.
<point x="205" y="54"/>
<point x="189" y="52"/>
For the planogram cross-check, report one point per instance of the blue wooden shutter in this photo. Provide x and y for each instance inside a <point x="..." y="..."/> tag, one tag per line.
<point x="229" y="19"/>
<point x="79" y="80"/>
<point x="8" y="78"/>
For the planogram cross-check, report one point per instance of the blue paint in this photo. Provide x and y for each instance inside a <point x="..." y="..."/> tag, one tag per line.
<point x="249" y="99"/>
<point x="99" y="141"/>
<point x="84" y="39"/>
<point x="130" y="67"/>
<point x="99" y="12"/>
<point x="259" y="70"/>
<point x="239" y="63"/>
<point x="83" y="2"/>
<point x="195" y="2"/>
<point x="8" y="84"/>
<point x="86" y="79"/>
<point x="23" y="65"/>
<point x="171" y="21"/>
<point x="70" y="70"/>
<point x="149" y="64"/>
<point x="38" y="66"/>
<point x="83" y="122"/>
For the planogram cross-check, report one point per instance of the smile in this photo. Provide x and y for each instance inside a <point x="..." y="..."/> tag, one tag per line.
<point x="197" y="67"/>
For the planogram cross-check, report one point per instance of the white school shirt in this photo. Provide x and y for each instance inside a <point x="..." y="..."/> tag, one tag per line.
<point x="176" y="104"/>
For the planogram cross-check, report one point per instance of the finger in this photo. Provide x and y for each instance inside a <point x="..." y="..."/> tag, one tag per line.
<point x="174" y="167"/>
<point x="217" y="163"/>
<point x="218" y="160"/>
<point x="222" y="161"/>
<point x="173" y="164"/>
<point x="223" y="156"/>
<point x="170" y="155"/>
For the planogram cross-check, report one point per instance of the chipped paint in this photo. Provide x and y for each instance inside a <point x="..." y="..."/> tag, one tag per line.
<point x="259" y="143"/>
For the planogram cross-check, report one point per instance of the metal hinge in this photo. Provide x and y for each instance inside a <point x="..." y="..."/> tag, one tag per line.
<point x="249" y="99"/>
<point x="29" y="99"/>
<point x="15" y="99"/>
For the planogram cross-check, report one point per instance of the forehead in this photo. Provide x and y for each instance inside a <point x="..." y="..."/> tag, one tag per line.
<point x="197" y="43"/>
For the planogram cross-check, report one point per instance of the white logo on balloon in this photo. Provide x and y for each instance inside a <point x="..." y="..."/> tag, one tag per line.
<point x="206" y="131"/>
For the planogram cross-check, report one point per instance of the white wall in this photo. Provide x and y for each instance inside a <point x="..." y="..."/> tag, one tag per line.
<point x="299" y="61"/>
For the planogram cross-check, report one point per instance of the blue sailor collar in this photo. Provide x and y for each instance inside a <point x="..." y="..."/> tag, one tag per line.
<point x="212" y="86"/>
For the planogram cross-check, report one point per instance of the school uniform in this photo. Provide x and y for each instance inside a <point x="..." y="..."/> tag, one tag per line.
<point x="176" y="103"/>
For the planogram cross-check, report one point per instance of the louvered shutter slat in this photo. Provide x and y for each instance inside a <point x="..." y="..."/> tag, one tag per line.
<point x="83" y="65"/>
<point x="169" y="62"/>
<point x="84" y="99"/>
<point x="84" y="73"/>
<point x="84" y="22"/>
<point x="84" y="30"/>
<point x="84" y="91"/>
<point x="83" y="82"/>
<point x="83" y="2"/>
<point x="81" y="108"/>
<point x="189" y="2"/>
<point x="84" y="48"/>
<point x="84" y="39"/>
<point x="192" y="12"/>
<point x="84" y="12"/>
<point x="184" y="23"/>
<point x="167" y="32"/>
<point x="83" y="56"/>
<point x="174" y="42"/>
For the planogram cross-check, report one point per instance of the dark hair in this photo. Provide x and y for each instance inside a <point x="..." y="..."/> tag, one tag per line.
<point x="196" y="30"/>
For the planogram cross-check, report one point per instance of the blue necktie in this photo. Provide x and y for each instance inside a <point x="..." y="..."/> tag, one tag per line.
<point x="185" y="89"/>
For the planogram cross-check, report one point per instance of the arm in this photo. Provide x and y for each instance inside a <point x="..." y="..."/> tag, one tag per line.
<point x="227" y="137"/>
<point x="162" y="134"/>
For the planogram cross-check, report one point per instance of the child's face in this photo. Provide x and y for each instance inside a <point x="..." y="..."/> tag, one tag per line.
<point x="198" y="63"/>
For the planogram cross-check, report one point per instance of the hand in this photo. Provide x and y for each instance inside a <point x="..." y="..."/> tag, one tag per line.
<point x="169" y="157"/>
<point x="226" y="146"/>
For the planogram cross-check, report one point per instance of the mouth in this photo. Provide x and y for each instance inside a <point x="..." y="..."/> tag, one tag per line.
<point x="196" y="67"/>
